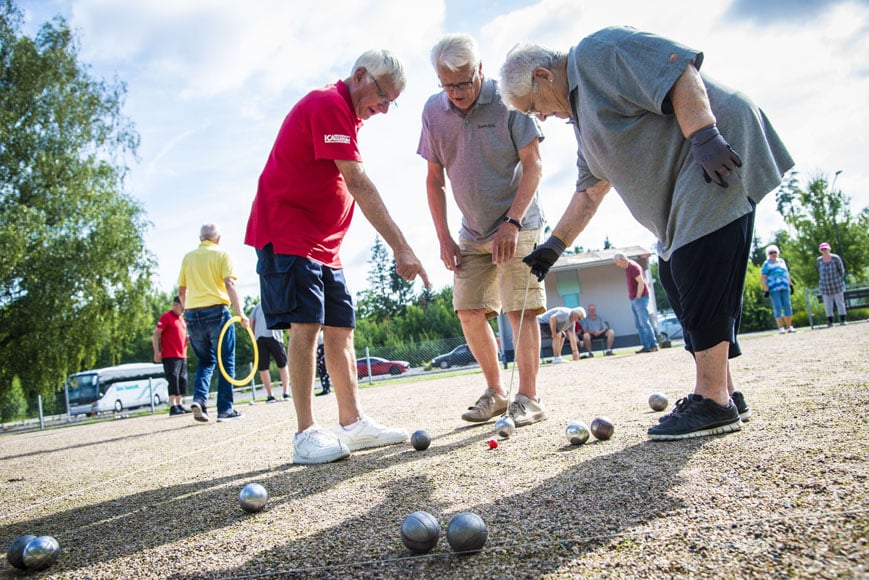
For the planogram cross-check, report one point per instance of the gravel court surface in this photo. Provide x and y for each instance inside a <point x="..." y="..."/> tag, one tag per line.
<point x="156" y="496"/>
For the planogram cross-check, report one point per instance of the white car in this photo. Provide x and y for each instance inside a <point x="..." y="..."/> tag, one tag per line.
<point x="669" y="327"/>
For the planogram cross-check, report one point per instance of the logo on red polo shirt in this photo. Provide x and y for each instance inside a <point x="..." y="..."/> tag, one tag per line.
<point x="343" y="139"/>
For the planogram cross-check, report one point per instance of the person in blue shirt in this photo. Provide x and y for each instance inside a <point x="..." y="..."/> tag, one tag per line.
<point x="776" y="282"/>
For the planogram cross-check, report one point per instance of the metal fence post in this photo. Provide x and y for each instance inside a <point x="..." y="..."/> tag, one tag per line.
<point x="41" y="418"/>
<point x="151" y="394"/>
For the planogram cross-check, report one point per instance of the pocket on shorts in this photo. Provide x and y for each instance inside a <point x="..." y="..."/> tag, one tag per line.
<point x="277" y="283"/>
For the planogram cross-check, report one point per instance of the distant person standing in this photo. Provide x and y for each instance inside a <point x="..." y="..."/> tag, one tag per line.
<point x="270" y="344"/>
<point x="831" y="274"/>
<point x="322" y="370"/>
<point x="170" y="348"/>
<point x="206" y="287"/>
<point x="776" y="282"/>
<point x="638" y="293"/>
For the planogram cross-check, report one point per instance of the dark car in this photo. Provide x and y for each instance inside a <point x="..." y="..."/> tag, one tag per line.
<point x="461" y="355"/>
<point x="381" y="366"/>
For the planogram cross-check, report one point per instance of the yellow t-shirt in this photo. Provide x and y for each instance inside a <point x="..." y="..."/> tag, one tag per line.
<point x="203" y="272"/>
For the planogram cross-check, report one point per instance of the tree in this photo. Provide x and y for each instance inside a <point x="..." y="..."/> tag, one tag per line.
<point x="388" y="293"/>
<point x="75" y="276"/>
<point x="817" y="214"/>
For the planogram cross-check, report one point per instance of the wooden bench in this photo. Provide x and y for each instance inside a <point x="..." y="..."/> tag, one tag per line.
<point x="855" y="297"/>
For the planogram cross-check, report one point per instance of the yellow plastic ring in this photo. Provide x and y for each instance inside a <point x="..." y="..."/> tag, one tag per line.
<point x="253" y="370"/>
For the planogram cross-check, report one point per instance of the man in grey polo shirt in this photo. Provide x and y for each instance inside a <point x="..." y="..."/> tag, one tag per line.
<point x="491" y="156"/>
<point x="647" y="122"/>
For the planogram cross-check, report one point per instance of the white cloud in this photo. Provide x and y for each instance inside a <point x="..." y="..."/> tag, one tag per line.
<point x="209" y="82"/>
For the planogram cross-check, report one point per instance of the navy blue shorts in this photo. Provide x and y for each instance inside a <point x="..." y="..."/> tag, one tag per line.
<point x="704" y="281"/>
<point x="295" y="289"/>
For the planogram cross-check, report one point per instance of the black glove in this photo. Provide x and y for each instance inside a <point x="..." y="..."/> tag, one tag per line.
<point x="543" y="256"/>
<point x="766" y="293"/>
<point x="792" y="289"/>
<point x="715" y="156"/>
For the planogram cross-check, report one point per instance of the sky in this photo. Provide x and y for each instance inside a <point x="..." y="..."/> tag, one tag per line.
<point x="210" y="81"/>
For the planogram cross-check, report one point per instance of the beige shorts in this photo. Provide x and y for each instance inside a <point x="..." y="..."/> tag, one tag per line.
<point x="480" y="284"/>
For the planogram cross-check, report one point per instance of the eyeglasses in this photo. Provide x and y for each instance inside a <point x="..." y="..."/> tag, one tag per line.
<point x="389" y="102"/>
<point x="531" y="112"/>
<point x="465" y="86"/>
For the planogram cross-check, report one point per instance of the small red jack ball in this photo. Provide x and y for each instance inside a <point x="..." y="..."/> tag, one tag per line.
<point x="493" y="444"/>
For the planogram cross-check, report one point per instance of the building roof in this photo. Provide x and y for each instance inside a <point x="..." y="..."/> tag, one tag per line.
<point x="597" y="258"/>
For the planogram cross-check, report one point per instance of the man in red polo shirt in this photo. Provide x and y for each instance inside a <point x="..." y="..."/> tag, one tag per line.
<point x="170" y="348"/>
<point x="311" y="183"/>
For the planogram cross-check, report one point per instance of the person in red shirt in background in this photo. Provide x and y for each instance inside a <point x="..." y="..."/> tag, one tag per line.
<point x="311" y="184"/>
<point x="170" y="348"/>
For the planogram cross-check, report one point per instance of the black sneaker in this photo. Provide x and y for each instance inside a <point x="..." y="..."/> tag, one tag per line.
<point x="175" y="410"/>
<point x="286" y="396"/>
<point x="695" y="416"/>
<point x="271" y="399"/>
<point x="741" y="405"/>
<point x="199" y="412"/>
<point x="229" y="415"/>
<point x="323" y="392"/>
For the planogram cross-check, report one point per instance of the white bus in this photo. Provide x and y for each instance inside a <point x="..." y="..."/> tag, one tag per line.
<point x="116" y="388"/>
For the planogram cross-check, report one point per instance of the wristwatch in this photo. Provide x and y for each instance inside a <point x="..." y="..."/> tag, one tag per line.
<point x="515" y="222"/>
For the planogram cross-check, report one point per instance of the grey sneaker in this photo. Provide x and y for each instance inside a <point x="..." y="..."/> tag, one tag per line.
<point x="524" y="411"/>
<point x="741" y="406"/>
<point x="489" y="405"/>
<point x="229" y="415"/>
<point x="366" y="433"/>
<point x="695" y="416"/>
<point x="199" y="412"/>
<point x="316" y="445"/>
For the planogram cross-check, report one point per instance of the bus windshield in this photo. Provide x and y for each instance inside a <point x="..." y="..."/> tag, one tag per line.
<point x="83" y="389"/>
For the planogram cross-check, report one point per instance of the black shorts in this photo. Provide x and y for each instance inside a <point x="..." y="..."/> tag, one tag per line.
<point x="269" y="347"/>
<point x="176" y="375"/>
<point x="704" y="281"/>
<point x="295" y="289"/>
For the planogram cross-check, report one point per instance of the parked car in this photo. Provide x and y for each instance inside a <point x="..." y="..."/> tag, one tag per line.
<point x="381" y="366"/>
<point x="669" y="327"/>
<point x="461" y="355"/>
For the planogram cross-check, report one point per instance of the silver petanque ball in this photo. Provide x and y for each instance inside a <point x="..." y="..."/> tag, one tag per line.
<point x="577" y="433"/>
<point x="420" y="532"/>
<point x="40" y="553"/>
<point x="253" y="498"/>
<point x="504" y="427"/>
<point x="420" y="440"/>
<point x="15" y="553"/>
<point x="467" y="532"/>
<point x="658" y="401"/>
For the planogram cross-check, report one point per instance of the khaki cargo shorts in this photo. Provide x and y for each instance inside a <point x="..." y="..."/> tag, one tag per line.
<point x="480" y="284"/>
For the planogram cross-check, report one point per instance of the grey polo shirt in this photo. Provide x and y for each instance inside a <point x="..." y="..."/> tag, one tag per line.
<point x="480" y="153"/>
<point x="562" y="318"/>
<point x="619" y="79"/>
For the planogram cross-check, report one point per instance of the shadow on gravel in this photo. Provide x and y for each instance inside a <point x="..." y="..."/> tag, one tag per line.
<point x="571" y="513"/>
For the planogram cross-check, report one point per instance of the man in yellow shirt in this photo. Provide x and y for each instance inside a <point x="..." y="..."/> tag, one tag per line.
<point x="206" y="287"/>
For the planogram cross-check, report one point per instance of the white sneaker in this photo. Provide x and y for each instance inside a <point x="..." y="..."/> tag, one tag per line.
<point x="524" y="411"/>
<point x="557" y="360"/>
<point x="781" y="330"/>
<point x="316" y="445"/>
<point x="365" y="433"/>
<point x="791" y="329"/>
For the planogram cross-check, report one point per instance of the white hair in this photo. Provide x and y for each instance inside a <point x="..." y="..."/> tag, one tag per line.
<point x="209" y="232"/>
<point x="517" y="72"/>
<point x="772" y="248"/>
<point x="383" y="64"/>
<point x="455" y="51"/>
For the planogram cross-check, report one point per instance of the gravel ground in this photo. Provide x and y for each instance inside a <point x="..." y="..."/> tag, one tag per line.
<point x="156" y="496"/>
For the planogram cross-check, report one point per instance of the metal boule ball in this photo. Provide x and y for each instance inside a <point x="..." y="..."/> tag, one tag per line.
<point x="420" y="532"/>
<point x="577" y="433"/>
<point x="504" y="427"/>
<point x="15" y="553"/>
<point x="602" y="428"/>
<point x="467" y="532"/>
<point x="658" y="401"/>
<point x="253" y="498"/>
<point x="40" y="553"/>
<point x="420" y="440"/>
